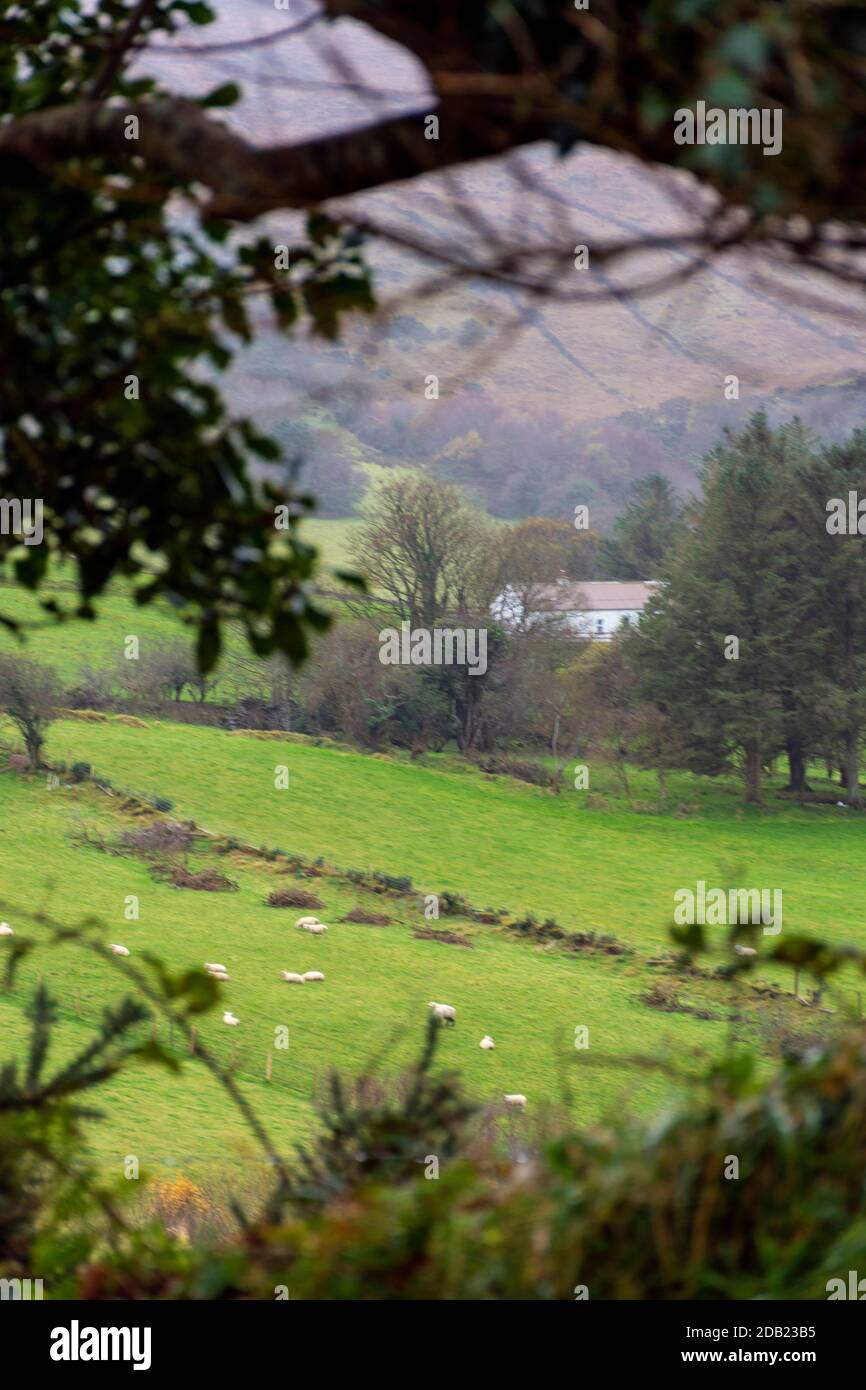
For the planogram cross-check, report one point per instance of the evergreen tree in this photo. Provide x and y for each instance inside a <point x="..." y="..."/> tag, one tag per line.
<point x="707" y="646"/>
<point x="644" y="533"/>
<point x="833" y="593"/>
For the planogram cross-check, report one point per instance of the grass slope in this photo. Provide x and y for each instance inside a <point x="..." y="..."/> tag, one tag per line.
<point x="371" y="1005"/>
<point x="496" y="841"/>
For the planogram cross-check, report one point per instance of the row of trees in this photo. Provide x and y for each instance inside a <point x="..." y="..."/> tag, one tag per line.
<point x="425" y="547"/>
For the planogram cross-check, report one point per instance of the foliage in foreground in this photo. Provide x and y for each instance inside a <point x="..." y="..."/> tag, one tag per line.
<point x="751" y="1190"/>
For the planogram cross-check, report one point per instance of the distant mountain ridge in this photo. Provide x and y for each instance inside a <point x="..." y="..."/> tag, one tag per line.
<point x="542" y="403"/>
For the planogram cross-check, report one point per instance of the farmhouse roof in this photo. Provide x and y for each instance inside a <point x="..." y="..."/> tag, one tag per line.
<point x="593" y="596"/>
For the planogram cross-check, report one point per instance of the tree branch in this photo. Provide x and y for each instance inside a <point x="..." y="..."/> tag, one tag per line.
<point x="181" y="139"/>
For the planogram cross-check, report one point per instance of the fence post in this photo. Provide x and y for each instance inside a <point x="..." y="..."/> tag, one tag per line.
<point x="269" y="1066"/>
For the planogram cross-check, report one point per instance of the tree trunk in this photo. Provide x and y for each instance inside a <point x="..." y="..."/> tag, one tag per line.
<point x="33" y="742"/>
<point x="797" y="766"/>
<point x="843" y="777"/>
<point x="852" y="766"/>
<point x="753" y="775"/>
<point x="554" y="742"/>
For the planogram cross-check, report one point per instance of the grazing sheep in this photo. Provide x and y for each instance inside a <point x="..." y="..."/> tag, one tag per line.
<point x="313" y="975"/>
<point x="516" y="1102"/>
<point x="219" y="974"/>
<point x="446" y="1013"/>
<point x="5" y="929"/>
<point x="213" y="965"/>
<point x="291" y="978"/>
<point x="229" y="1018"/>
<point x="744" y="950"/>
<point x="317" y="929"/>
<point x="120" y="950"/>
<point x="305" y="922"/>
<point x="487" y="1043"/>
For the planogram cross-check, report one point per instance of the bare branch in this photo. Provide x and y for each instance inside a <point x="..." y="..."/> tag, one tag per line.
<point x="235" y="45"/>
<point x="180" y="138"/>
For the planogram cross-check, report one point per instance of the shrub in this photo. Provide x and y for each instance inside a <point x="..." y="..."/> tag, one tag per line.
<point x="535" y="773"/>
<point x="93" y="690"/>
<point x="550" y="930"/>
<point x="373" y="919"/>
<point x="160" y="803"/>
<point x="251" y="712"/>
<point x="207" y="881"/>
<point x="161" y="838"/>
<point x="293" y="897"/>
<point x="453" y="905"/>
<point x="80" y="772"/>
<point x="394" y="885"/>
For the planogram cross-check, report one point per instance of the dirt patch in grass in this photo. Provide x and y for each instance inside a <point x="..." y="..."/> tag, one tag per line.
<point x="208" y="881"/>
<point x="372" y="919"/>
<point x="293" y="897"/>
<point x="449" y="938"/>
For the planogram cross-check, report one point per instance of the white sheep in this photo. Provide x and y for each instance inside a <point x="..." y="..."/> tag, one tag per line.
<point x="744" y="950"/>
<point x="120" y="950"/>
<point x="317" y="929"/>
<point x="213" y="965"/>
<point x="487" y="1043"/>
<point x="219" y="974"/>
<point x="229" y="1018"/>
<point x="305" y="922"/>
<point x="5" y="929"/>
<point x="291" y="978"/>
<point x="313" y="975"/>
<point x="516" y="1101"/>
<point x="446" y="1013"/>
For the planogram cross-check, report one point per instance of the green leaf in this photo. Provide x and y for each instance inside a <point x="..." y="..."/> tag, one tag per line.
<point x="208" y="645"/>
<point x="226" y="95"/>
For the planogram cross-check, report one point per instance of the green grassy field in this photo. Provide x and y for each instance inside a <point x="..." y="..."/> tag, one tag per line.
<point x="494" y="840"/>
<point x="100" y="644"/>
<point x="372" y="1004"/>
<point x="588" y="859"/>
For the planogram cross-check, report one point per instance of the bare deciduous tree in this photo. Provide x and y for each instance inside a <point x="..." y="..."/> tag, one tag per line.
<point x="427" y="549"/>
<point x="29" y="695"/>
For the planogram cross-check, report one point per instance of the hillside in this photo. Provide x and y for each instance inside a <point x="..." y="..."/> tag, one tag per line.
<point x="497" y="842"/>
<point x="561" y="393"/>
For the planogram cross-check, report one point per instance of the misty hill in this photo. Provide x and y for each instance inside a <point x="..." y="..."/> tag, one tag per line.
<point x="544" y="402"/>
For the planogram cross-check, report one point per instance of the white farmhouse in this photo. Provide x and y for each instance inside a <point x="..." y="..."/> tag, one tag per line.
<point x="592" y="608"/>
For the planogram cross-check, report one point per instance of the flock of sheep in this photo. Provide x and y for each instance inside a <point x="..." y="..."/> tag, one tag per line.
<point x="445" y="1013"/>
